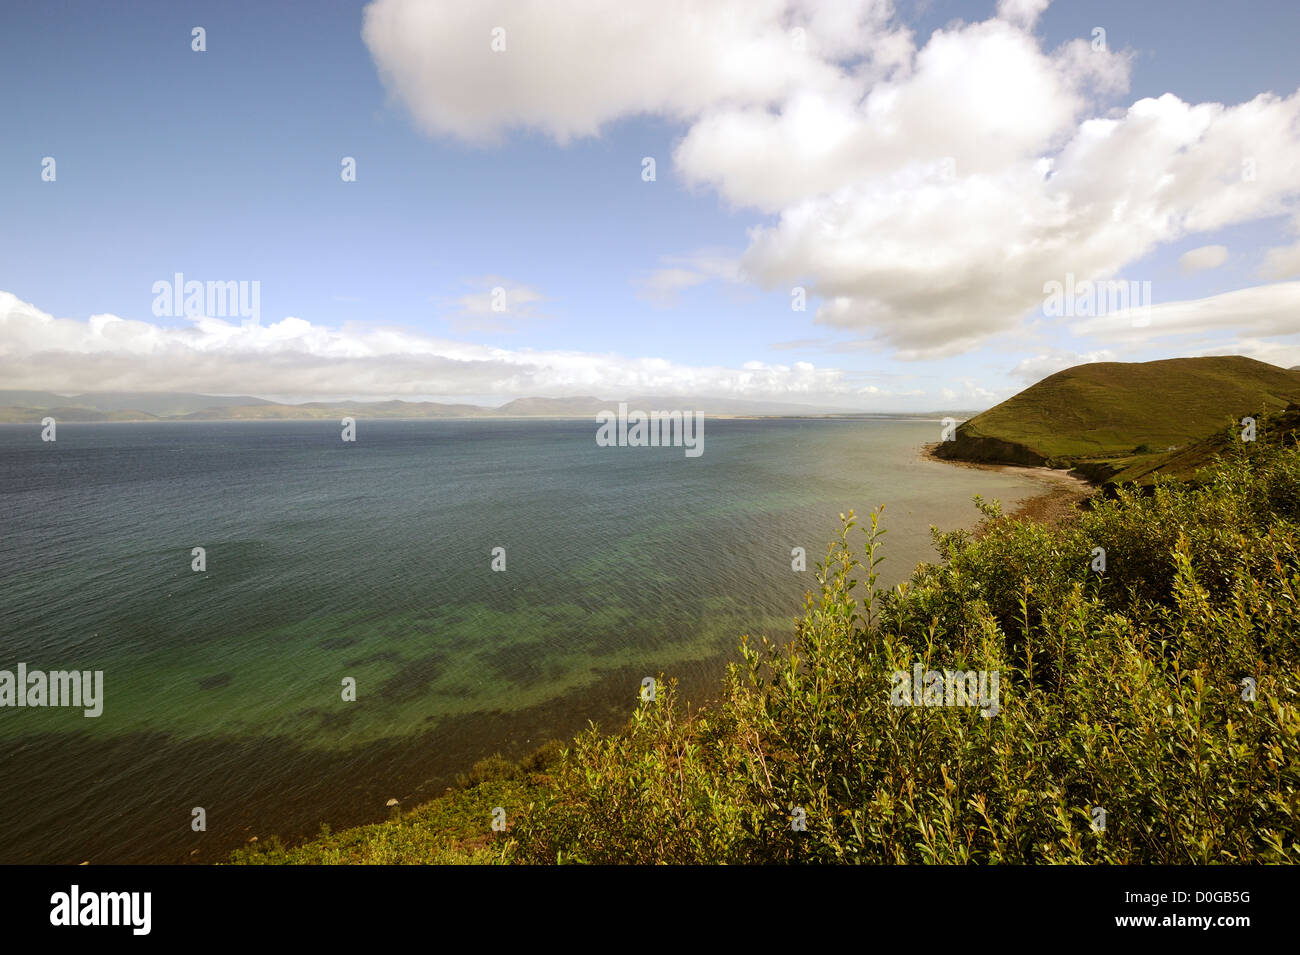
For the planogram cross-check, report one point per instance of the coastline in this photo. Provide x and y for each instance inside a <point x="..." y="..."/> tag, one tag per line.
<point x="1058" y="503"/>
<point x="1055" y="504"/>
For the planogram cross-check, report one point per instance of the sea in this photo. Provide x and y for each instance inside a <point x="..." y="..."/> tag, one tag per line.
<point x="366" y="619"/>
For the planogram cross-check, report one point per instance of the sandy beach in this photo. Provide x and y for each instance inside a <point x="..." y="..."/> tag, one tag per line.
<point x="1060" y="498"/>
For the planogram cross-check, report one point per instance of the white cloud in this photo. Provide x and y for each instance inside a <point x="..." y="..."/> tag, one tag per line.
<point x="925" y="193"/>
<point x="1205" y="257"/>
<point x="974" y="101"/>
<point x="496" y="304"/>
<point x="568" y="71"/>
<point x="971" y="395"/>
<point x="1037" y="367"/>
<point x="1282" y="262"/>
<point x="499" y="296"/>
<point x="1258" y="310"/>
<point x="933" y="267"/>
<point x="662" y="285"/>
<point x="1023" y="13"/>
<point x="1282" y="354"/>
<point x="295" y="357"/>
<point x="687" y="271"/>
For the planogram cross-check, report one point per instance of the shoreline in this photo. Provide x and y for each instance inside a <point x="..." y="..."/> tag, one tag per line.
<point x="417" y="782"/>
<point x="1059" y="501"/>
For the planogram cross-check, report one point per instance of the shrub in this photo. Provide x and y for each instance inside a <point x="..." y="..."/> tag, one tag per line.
<point x="1121" y="690"/>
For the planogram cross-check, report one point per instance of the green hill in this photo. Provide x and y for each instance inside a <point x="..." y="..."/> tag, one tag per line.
<point x="1272" y="428"/>
<point x="1105" y="417"/>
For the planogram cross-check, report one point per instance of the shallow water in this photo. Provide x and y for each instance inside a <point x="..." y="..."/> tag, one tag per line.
<point x="372" y="561"/>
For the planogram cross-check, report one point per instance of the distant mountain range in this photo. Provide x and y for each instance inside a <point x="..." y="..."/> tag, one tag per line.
<point x="28" y="407"/>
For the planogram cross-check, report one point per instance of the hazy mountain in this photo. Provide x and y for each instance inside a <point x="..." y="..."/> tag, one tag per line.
<point x="14" y="414"/>
<point x="582" y="406"/>
<point x="726" y="406"/>
<point x="336" y="409"/>
<point x="28" y="406"/>
<point x="156" y="403"/>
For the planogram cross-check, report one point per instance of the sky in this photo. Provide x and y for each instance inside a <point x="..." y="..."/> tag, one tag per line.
<point x="876" y="206"/>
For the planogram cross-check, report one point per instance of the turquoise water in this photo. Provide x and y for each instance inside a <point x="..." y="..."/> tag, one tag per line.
<point x="372" y="561"/>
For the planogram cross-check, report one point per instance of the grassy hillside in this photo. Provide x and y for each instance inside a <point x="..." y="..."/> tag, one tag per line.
<point x="1187" y="462"/>
<point x="454" y="829"/>
<point x="1115" y="412"/>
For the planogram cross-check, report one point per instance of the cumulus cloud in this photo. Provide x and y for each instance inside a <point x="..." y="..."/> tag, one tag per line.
<point x="568" y="72"/>
<point x="924" y="192"/>
<point x="1206" y="257"/>
<point x="973" y="101"/>
<point x="1023" y="13"/>
<point x="933" y="267"/>
<point x="296" y="357"/>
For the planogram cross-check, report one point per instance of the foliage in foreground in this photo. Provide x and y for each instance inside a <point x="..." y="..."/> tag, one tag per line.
<point x="455" y="829"/>
<point x="1126" y="689"/>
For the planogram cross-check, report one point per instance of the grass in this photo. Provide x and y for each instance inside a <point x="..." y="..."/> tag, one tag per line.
<point x="454" y="829"/>
<point x="1105" y="411"/>
<point x="1188" y="461"/>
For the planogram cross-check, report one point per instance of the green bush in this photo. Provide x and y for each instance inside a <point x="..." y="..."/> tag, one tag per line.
<point x="1120" y="688"/>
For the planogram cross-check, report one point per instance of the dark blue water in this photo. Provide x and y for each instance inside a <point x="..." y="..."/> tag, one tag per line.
<point x="372" y="561"/>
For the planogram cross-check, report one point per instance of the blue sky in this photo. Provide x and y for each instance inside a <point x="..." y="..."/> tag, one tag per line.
<point x="225" y="165"/>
